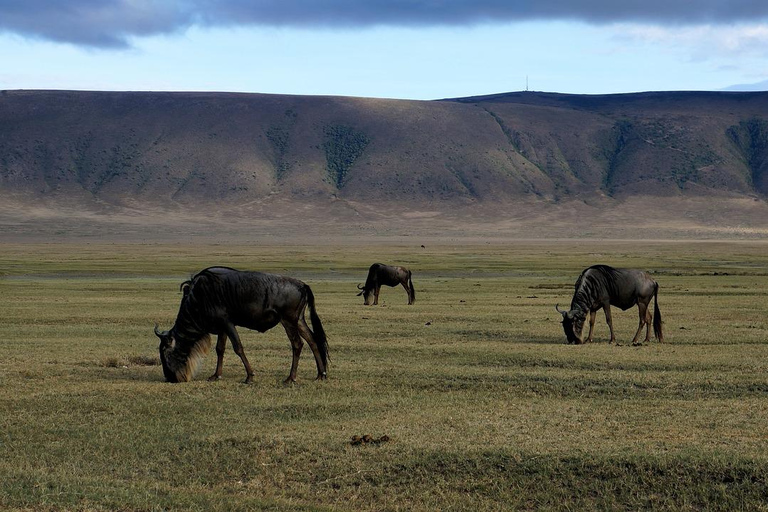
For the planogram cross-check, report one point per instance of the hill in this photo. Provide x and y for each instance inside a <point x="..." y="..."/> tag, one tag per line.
<point x="502" y="164"/>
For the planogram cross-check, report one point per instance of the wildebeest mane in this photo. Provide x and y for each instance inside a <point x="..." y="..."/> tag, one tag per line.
<point x="590" y="282"/>
<point x="211" y="288"/>
<point x="199" y="296"/>
<point x="190" y="331"/>
<point x="373" y="275"/>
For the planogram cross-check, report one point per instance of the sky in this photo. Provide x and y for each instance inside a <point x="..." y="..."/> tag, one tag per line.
<point x="407" y="49"/>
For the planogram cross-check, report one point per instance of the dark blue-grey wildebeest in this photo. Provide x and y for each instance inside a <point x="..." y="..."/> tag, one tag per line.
<point x="217" y="299"/>
<point x="600" y="287"/>
<point x="379" y="275"/>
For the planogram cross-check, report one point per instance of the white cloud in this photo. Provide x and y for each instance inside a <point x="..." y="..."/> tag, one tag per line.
<point x="703" y="42"/>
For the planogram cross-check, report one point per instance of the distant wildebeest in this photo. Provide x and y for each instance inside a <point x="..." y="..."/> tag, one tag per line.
<point x="217" y="299"/>
<point x="379" y="275"/>
<point x="601" y="286"/>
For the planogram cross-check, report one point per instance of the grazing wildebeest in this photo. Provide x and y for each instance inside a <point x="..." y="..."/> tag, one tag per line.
<point x="601" y="286"/>
<point x="217" y="299"/>
<point x="379" y="275"/>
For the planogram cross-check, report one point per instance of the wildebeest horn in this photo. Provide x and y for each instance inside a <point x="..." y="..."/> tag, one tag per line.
<point x="557" y="307"/>
<point x="157" y="333"/>
<point x="359" y="286"/>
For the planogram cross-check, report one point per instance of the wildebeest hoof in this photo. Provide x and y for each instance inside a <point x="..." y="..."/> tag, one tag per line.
<point x="322" y="376"/>
<point x="248" y="380"/>
<point x="288" y="381"/>
<point x="214" y="378"/>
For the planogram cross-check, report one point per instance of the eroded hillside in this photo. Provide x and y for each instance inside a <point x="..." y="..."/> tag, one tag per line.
<point x="215" y="151"/>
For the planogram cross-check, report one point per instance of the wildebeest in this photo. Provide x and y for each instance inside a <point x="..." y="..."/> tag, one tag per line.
<point x="601" y="286"/>
<point x="217" y="299"/>
<point x="380" y="274"/>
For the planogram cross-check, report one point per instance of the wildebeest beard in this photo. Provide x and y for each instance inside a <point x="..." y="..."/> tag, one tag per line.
<point x="180" y="360"/>
<point x="184" y="346"/>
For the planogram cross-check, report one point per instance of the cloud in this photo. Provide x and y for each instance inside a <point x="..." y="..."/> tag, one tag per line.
<point x="759" y="86"/>
<point x="703" y="42"/>
<point x="94" y="23"/>
<point x="113" y="23"/>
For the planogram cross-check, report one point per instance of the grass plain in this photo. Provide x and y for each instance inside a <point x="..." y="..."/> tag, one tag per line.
<point x="485" y="406"/>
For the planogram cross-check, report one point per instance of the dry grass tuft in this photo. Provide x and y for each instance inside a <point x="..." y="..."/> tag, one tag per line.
<point x="144" y="360"/>
<point x="114" y="362"/>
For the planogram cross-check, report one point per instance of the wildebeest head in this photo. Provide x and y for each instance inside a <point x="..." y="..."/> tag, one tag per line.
<point x="180" y="361"/>
<point x="167" y="348"/>
<point x="367" y="294"/>
<point x="573" y="324"/>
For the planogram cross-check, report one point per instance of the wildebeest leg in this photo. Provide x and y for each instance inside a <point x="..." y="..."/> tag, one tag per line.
<point x="292" y="330"/>
<point x="408" y="291"/>
<point x="592" y="315"/>
<point x="221" y="345"/>
<point x="607" y="309"/>
<point x="647" y="324"/>
<point x="238" y="347"/>
<point x="306" y="333"/>
<point x="376" y="295"/>
<point x="642" y="310"/>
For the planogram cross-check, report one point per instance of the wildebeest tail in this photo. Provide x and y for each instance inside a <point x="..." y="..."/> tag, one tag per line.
<point x="317" y="327"/>
<point x="657" y="315"/>
<point x="410" y="286"/>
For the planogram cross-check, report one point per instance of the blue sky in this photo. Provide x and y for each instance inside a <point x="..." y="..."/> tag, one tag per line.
<point x="411" y="54"/>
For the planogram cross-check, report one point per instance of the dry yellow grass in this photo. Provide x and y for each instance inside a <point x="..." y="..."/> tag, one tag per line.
<point x="486" y="408"/>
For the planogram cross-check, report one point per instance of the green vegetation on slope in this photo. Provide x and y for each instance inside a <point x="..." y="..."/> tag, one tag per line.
<point x="343" y="145"/>
<point x="280" y="137"/>
<point x="751" y="138"/>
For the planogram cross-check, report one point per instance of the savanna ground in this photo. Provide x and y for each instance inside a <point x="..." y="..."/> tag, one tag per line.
<point x="484" y="405"/>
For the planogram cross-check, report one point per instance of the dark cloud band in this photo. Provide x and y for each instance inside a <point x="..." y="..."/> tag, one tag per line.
<point x="112" y="23"/>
